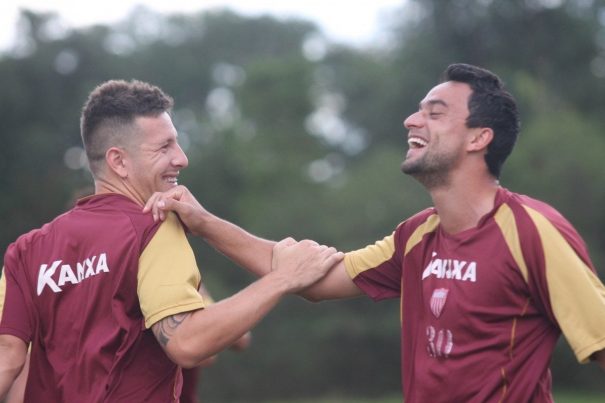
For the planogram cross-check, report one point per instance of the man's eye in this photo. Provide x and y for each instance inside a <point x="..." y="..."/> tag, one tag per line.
<point x="435" y="114"/>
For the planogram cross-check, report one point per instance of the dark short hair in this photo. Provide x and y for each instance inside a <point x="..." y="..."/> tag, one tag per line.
<point x="109" y="113"/>
<point x="490" y="105"/>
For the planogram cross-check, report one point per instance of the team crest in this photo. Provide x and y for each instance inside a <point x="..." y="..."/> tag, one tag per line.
<point x="438" y="301"/>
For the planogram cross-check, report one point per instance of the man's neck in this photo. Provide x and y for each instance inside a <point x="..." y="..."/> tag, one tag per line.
<point x="104" y="186"/>
<point x="462" y="204"/>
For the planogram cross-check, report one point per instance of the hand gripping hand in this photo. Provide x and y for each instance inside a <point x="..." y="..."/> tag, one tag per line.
<point x="301" y="264"/>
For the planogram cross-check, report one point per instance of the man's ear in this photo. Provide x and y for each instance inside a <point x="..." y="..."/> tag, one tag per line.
<point x="480" y="138"/>
<point x="115" y="158"/>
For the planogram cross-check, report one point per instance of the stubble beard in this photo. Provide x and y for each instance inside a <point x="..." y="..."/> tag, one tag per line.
<point x="432" y="171"/>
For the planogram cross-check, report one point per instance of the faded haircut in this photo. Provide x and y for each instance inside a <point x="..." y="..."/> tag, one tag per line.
<point x="109" y="113"/>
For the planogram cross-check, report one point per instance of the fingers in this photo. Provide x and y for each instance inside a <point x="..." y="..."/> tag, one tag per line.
<point x="326" y="257"/>
<point x="160" y="202"/>
<point x="332" y="256"/>
<point x="151" y="201"/>
<point x="303" y="263"/>
<point x="304" y="245"/>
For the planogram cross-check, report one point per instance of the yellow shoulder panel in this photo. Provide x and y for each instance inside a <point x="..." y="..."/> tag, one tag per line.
<point x="505" y="219"/>
<point x="369" y="257"/>
<point x="577" y="296"/>
<point x="428" y="226"/>
<point x="168" y="276"/>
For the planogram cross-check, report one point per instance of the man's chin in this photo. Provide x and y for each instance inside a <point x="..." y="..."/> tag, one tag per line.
<point x="409" y="168"/>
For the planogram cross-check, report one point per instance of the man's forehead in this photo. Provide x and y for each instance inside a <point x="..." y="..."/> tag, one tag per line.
<point x="449" y="94"/>
<point x="153" y="131"/>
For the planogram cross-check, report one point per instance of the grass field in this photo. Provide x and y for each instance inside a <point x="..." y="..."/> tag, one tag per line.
<point x="560" y="397"/>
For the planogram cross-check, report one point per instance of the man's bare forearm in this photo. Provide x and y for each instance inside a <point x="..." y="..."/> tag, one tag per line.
<point x="190" y="338"/>
<point x="198" y="335"/>
<point x="247" y="250"/>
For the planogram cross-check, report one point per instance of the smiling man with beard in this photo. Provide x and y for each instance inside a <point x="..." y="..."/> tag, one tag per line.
<point x="488" y="279"/>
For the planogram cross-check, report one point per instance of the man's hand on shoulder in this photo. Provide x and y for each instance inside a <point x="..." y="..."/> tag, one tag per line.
<point x="180" y="200"/>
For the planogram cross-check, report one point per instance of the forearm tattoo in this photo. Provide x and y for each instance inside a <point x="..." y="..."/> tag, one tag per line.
<point x="165" y="329"/>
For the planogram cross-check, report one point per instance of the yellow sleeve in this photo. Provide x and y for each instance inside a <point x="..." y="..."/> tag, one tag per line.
<point x="577" y="296"/>
<point x="2" y="292"/>
<point x="168" y="276"/>
<point x="360" y="260"/>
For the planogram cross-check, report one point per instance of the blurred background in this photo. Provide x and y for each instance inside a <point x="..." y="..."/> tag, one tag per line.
<point x="293" y="126"/>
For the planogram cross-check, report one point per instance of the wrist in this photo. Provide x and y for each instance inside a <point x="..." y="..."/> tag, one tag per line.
<point x="279" y="283"/>
<point x="202" y="223"/>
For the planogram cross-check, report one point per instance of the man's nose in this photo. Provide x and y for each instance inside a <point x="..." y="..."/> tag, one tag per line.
<point x="414" y="120"/>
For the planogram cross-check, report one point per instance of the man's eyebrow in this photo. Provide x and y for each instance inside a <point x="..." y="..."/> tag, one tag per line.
<point x="432" y="102"/>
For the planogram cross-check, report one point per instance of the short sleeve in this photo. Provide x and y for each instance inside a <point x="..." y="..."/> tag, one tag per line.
<point x="576" y="295"/>
<point x="168" y="276"/>
<point x="376" y="269"/>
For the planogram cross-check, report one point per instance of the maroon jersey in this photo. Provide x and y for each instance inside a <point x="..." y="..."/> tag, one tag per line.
<point x="71" y="291"/>
<point x="482" y="309"/>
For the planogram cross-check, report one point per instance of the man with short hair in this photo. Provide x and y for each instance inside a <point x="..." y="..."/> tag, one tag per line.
<point x="107" y="297"/>
<point x="488" y="279"/>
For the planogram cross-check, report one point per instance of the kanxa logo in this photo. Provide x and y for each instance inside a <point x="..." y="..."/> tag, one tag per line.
<point x="451" y="269"/>
<point x="88" y="267"/>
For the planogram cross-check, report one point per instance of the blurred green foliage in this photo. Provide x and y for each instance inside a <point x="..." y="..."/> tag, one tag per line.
<point x="288" y="134"/>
